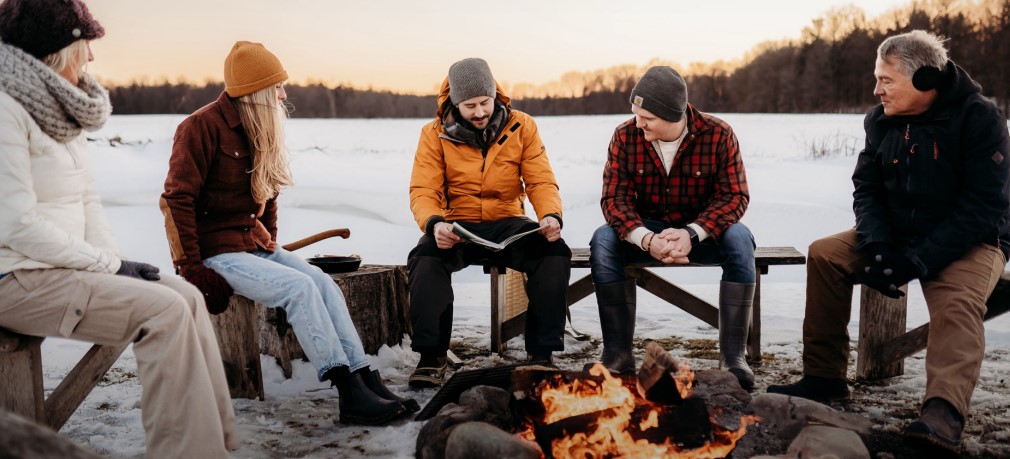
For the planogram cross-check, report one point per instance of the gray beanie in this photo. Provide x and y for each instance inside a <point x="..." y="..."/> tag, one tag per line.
<point x="470" y="78"/>
<point x="662" y="92"/>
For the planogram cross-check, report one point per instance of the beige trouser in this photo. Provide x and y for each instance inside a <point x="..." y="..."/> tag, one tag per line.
<point x="955" y="299"/>
<point x="185" y="405"/>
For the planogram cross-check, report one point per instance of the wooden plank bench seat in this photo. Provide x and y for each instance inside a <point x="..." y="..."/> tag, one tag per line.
<point x="508" y="299"/>
<point x="21" y="382"/>
<point x="884" y="342"/>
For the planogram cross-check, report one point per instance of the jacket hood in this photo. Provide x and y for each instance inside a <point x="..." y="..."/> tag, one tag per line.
<point x="957" y="86"/>
<point x="443" y="95"/>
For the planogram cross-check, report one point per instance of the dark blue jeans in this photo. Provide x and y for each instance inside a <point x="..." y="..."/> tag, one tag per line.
<point x="734" y="252"/>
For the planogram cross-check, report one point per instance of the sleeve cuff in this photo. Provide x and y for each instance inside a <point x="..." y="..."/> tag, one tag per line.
<point x="637" y="236"/>
<point x="556" y="217"/>
<point x="429" y="225"/>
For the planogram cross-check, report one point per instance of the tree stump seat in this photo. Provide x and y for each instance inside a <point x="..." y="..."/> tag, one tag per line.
<point x="376" y="297"/>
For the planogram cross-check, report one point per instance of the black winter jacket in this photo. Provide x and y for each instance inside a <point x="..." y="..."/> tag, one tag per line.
<point x="937" y="183"/>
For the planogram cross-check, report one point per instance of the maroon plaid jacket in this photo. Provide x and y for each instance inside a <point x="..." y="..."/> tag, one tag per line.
<point x="707" y="184"/>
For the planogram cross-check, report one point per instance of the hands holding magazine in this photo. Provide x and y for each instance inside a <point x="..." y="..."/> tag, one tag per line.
<point x="450" y="234"/>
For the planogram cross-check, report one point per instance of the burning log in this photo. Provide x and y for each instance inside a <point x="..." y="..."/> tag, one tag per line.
<point x="596" y="414"/>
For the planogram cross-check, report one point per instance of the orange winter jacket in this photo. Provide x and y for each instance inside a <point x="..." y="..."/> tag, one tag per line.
<point x="451" y="180"/>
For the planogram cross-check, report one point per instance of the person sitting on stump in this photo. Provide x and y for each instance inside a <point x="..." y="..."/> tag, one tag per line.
<point x="227" y="168"/>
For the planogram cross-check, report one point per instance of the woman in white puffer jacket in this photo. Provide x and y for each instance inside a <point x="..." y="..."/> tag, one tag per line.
<point x="60" y="271"/>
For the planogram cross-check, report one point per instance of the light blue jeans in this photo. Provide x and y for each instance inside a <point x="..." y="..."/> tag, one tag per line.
<point x="314" y="304"/>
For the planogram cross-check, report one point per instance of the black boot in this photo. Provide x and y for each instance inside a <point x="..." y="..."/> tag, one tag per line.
<point x="814" y="388"/>
<point x="358" y="404"/>
<point x="735" y="304"/>
<point x="616" y="302"/>
<point x="938" y="429"/>
<point x="374" y="382"/>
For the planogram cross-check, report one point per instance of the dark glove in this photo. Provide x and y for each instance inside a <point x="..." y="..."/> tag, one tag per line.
<point x="138" y="270"/>
<point x="889" y="269"/>
<point x="216" y="291"/>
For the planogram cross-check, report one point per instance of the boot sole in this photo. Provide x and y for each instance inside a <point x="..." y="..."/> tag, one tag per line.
<point x="374" y="421"/>
<point x="928" y="440"/>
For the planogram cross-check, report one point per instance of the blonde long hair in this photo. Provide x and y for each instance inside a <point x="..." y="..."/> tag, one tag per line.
<point x="62" y="58"/>
<point x="263" y="117"/>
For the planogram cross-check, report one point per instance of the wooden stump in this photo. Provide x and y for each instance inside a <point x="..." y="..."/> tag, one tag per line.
<point x="376" y="298"/>
<point x="881" y="320"/>
<point x="236" y="329"/>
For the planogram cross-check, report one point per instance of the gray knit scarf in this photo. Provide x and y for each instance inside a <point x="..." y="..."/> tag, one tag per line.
<point x="60" y="108"/>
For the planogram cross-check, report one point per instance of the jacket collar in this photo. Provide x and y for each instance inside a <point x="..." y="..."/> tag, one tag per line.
<point x="227" y="106"/>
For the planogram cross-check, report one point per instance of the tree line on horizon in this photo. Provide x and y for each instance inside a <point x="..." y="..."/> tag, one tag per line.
<point x="828" y="70"/>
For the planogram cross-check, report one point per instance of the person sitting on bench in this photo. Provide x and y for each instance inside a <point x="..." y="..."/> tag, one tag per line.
<point x="475" y="164"/>
<point x="931" y="203"/>
<point x="674" y="190"/>
<point x="61" y="273"/>
<point x="228" y="165"/>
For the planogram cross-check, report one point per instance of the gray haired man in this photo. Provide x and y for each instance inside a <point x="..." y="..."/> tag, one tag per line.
<point x="932" y="202"/>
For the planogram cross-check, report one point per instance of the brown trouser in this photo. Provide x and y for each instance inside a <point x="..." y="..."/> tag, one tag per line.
<point x="185" y="405"/>
<point x="955" y="298"/>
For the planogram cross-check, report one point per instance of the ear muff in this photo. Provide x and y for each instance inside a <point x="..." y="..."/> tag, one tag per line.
<point x="927" y="77"/>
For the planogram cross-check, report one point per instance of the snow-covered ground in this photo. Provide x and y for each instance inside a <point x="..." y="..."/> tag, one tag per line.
<point x="354" y="174"/>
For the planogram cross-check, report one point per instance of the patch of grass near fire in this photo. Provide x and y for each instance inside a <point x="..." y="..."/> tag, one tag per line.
<point x="707" y="349"/>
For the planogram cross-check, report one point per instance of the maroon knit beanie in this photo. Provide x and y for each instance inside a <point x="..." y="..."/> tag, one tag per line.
<point x="43" y="27"/>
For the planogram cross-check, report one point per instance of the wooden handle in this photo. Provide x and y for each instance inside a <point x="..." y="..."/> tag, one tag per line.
<point x="342" y="232"/>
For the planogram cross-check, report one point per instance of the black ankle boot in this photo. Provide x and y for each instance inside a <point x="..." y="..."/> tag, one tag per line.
<point x="814" y="388"/>
<point x="358" y="404"/>
<point x="374" y="382"/>
<point x="938" y="429"/>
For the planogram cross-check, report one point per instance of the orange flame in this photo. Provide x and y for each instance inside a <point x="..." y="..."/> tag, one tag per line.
<point x="611" y="437"/>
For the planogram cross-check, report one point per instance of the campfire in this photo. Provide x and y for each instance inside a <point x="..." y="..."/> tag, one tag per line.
<point x="597" y="415"/>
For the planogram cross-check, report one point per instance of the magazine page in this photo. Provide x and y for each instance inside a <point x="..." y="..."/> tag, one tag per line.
<point x="495" y="246"/>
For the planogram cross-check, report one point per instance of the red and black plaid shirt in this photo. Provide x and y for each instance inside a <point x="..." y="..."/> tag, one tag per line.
<point x="707" y="184"/>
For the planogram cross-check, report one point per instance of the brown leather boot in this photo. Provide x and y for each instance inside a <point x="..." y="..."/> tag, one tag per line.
<point x="938" y="428"/>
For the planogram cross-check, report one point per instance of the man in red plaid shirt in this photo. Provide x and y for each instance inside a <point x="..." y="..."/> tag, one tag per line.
<point x="674" y="189"/>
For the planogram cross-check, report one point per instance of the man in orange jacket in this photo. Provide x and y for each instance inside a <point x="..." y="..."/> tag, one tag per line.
<point x="476" y="163"/>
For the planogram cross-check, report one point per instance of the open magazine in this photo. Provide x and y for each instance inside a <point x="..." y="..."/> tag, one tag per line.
<point x="495" y="246"/>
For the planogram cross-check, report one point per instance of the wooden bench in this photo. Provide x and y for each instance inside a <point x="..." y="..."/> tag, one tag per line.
<point x="884" y="342"/>
<point x="508" y="298"/>
<point x="21" y="382"/>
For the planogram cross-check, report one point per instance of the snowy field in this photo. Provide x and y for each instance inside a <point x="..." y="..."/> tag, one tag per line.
<point x="355" y="173"/>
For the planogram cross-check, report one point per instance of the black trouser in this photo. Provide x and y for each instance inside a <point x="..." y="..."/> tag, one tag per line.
<point x="546" y="264"/>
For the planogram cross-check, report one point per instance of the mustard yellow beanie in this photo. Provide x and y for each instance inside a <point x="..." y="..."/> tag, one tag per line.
<point x="249" y="67"/>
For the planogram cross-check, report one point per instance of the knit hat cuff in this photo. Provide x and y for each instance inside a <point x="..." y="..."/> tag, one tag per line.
<point x="249" y="88"/>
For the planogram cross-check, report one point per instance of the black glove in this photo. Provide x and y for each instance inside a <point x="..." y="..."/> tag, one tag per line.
<point x="139" y="270"/>
<point x="889" y="269"/>
<point x="216" y="291"/>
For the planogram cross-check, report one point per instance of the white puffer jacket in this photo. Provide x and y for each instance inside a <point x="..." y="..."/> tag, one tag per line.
<point x="50" y="214"/>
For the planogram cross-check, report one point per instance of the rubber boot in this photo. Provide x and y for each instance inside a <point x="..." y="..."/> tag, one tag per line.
<point x="616" y="302"/>
<point x="374" y="382"/>
<point x="358" y="404"/>
<point x="735" y="304"/>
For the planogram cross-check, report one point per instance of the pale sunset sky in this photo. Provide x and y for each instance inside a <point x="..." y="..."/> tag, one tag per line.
<point x="408" y="46"/>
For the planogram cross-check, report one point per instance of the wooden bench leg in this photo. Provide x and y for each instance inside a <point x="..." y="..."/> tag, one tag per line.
<point x="21" y="377"/>
<point x="754" y="335"/>
<point x="881" y="320"/>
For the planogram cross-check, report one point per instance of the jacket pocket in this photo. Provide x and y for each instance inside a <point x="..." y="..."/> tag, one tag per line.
<point x="234" y="165"/>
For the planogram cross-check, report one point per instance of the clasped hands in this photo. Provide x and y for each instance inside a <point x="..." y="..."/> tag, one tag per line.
<point x="888" y="270"/>
<point x="671" y="246"/>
